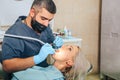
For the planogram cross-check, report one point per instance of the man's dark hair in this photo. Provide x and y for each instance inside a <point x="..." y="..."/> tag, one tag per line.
<point x="47" y="4"/>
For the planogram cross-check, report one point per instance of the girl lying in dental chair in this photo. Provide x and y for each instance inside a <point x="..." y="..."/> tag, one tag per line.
<point x="69" y="64"/>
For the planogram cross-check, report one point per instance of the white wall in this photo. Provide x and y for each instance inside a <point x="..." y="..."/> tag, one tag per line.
<point x="10" y="10"/>
<point x="82" y="18"/>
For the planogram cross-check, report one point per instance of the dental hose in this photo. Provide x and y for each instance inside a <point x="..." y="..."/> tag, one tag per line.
<point x="28" y="38"/>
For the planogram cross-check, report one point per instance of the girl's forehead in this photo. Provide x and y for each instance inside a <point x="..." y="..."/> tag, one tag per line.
<point x="70" y="48"/>
<point x="67" y="46"/>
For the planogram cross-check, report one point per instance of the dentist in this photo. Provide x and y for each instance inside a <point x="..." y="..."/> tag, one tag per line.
<point x="19" y="54"/>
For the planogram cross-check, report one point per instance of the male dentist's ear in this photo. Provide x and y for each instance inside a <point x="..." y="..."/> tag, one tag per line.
<point x="69" y="63"/>
<point x="32" y="12"/>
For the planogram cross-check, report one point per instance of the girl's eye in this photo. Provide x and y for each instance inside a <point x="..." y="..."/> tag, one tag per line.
<point x="70" y="49"/>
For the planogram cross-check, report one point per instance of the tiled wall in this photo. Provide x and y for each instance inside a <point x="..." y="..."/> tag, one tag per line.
<point x="82" y="18"/>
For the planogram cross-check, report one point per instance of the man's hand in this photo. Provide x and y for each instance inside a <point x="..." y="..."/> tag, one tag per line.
<point x="58" y="41"/>
<point x="43" y="53"/>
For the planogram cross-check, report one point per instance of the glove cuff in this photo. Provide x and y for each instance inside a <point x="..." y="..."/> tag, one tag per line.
<point x="36" y="59"/>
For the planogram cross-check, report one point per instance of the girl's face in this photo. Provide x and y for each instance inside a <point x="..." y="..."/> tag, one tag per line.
<point x="66" y="52"/>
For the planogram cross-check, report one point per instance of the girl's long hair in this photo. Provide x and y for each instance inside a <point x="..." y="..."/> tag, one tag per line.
<point x="79" y="70"/>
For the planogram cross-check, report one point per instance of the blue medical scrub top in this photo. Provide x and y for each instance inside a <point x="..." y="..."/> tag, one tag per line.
<point x="39" y="73"/>
<point x="21" y="48"/>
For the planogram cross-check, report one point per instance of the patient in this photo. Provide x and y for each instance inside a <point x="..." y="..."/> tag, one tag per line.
<point x="69" y="64"/>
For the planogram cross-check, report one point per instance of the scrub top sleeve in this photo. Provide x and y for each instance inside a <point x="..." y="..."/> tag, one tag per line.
<point x="11" y="48"/>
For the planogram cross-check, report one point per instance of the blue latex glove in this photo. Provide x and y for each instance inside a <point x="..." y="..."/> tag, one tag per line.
<point x="43" y="53"/>
<point x="58" y="41"/>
